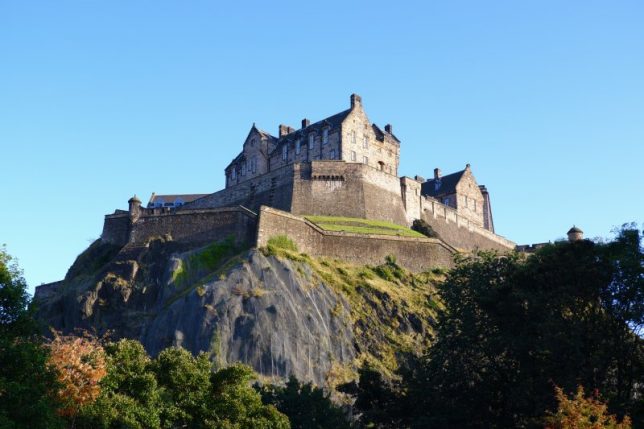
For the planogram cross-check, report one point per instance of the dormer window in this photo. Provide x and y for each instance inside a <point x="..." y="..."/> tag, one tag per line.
<point x="325" y="136"/>
<point x="233" y="174"/>
<point x="284" y="152"/>
<point x="437" y="184"/>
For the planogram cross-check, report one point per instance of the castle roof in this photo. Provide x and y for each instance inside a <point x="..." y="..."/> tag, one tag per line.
<point x="171" y="198"/>
<point x="445" y="185"/>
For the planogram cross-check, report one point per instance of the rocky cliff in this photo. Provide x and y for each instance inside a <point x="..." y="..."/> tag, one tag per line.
<point x="275" y="309"/>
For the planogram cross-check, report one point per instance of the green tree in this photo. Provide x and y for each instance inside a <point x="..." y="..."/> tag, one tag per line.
<point x="129" y="395"/>
<point x="378" y="402"/>
<point x="27" y="384"/>
<point x="305" y="405"/>
<point x="569" y="314"/>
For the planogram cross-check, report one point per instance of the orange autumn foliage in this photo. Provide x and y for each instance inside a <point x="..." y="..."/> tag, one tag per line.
<point x="80" y="364"/>
<point x="580" y="412"/>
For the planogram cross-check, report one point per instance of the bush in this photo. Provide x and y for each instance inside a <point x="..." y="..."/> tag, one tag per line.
<point x="282" y="242"/>
<point x="424" y="228"/>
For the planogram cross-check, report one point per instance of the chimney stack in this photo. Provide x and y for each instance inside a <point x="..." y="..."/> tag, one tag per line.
<point x="389" y="128"/>
<point x="284" y="130"/>
<point x="437" y="173"/>
<point x="305" y="123"/>
<point x="355" y="99"/>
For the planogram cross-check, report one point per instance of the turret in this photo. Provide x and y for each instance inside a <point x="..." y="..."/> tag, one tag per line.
<point x="134" y="207"/>
<point x="575" y="234"/>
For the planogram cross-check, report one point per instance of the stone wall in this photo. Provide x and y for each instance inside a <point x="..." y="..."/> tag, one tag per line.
<point x="416" y="254"/>
<point x="273" y="189"/>
<point x="186" y="226"/>
<point x="458" y="231"/>
<point x="116" y="228"/>
<point x="193" y="226"/>
<point x="346" y="189"/>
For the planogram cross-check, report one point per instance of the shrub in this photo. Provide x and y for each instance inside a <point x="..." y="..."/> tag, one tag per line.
<point x="282" y="242"/>
<point x="424" y="228"/>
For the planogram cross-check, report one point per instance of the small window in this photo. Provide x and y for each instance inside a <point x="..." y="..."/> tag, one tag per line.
<point x="311" y="141"/>
<point x="353" y="137"/>
<point x="325" y="136"/>
<point x="353" y="155"/>
<point x="233" y="174"/>
<point x="253" y="164"/>
<point x="365" y="142"/>
<point x="298" y="147"/>
<point x="332" y="154"/>
<point x="365" y="160"/>
<point x="284" y="152"/>
<point x="243" y="172"/>
<point x="446" y="201"/>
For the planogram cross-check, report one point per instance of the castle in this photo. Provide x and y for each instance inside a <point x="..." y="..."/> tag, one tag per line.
<point x="342" y="166"/>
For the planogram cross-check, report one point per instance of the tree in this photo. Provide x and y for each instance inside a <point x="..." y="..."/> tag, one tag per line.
<point x="579" y="412"/>
<point x="27" y="384"/>
<point x="568" y="314"/>
<point x="129" y="396"/>
<point x="305" y="405"/>
<point x="378" y="402"/>
<point x="80" y="366"/>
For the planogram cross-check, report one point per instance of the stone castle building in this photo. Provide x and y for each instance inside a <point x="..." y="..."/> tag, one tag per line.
<point x="343" y="165"/>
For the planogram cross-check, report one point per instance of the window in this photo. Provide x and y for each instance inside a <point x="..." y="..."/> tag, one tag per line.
<point x="365" y="142"/>
<point x="311" y="141"/>
<point x="332" y="154"/>
<point x="353" y="137"/>
<point x="253" y="164"/>
<point x="365" y="160"/>
<point x="233" y="174"/>
<point x="446" y="201"/>
<point x="284" y="152"/>
<point x="325" y="136"/>
<point x="298" y="147"/>
<point x="353" y="155"/>
<point x="243" y="172"/>
<point x="252" y="142"/>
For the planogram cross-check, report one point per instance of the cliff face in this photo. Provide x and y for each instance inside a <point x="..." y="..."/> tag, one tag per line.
<point x="278" y="311"/>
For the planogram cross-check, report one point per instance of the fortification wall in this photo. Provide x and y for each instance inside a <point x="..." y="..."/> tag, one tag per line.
<point x="458" y="231"/>
<point x="274" y="189"/>
<point x="416" y="254"/>
<point x="116" y="228"/>
<point x="194" y="226"/>
<point x="187" y="226"/>
<point x="338" y="188"/>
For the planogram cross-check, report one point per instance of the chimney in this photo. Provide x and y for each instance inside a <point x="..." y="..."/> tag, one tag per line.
<point x="284" y="130"/>
<point x="305" y="123"/>
<point x="437" y="173"/>
<point x="355" y="99"/>
<point x="389" y="128"/>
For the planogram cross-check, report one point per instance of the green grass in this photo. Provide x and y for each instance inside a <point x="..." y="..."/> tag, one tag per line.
<point x="362" y="226"/>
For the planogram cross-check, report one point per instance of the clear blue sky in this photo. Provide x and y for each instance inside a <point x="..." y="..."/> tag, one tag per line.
<point x="103" y="99"/>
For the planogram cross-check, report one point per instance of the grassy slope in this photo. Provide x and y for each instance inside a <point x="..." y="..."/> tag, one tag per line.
<point x="362" y="226"/>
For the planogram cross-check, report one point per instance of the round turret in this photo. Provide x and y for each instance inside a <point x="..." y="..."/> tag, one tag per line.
<point x="134" y="206"/>
<point x="575" y="234"/>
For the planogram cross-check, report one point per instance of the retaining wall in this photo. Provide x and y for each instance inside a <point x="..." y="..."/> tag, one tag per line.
<point x="416" y="254"/>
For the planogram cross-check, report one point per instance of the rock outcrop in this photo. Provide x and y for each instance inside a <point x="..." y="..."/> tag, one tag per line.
<point x="276" y="310"/>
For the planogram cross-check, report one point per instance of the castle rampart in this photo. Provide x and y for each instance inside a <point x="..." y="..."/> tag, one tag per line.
<point x="459" y="231"/>
<point x="186" y="226"/>
<point x="416" y="254"/>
